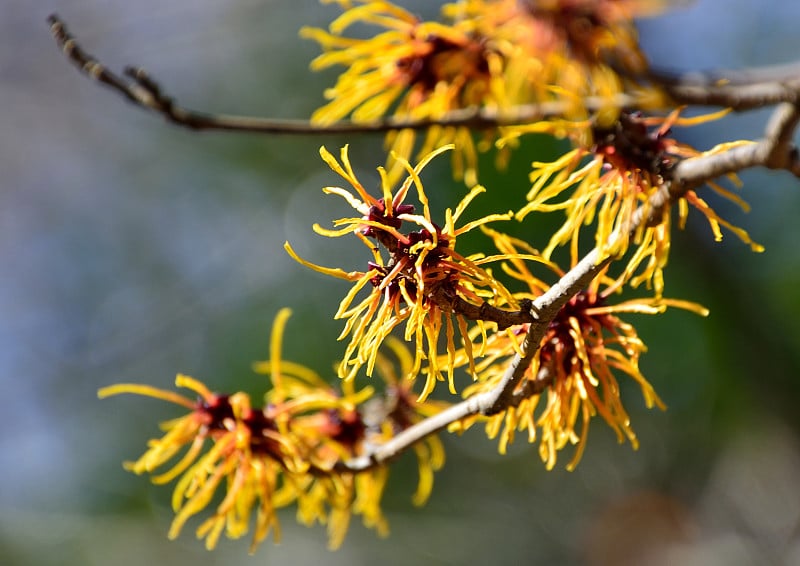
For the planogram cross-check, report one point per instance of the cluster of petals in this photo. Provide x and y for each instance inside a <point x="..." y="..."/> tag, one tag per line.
<point x="573" y="374"/>
<point x="414" y="279"/>
<point x="293" y="451"/>
<point x="610" y="184"/>
<point x="413" y="69"/>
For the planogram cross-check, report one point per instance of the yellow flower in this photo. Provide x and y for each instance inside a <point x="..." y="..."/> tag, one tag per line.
<point x="419" y="283"/>
<point x="330" y="430"/>
<point x="594" y="32"/>
<point x="332" y="498"/>
<point x="609" y="181"/>
<point x="412" y="69"/>
<point x="248" y="456"/>
<point x="294" y="450"/>
<point x="573" y="375"/>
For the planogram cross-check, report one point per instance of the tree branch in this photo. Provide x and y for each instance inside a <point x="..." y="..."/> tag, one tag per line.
<point x="383" y="453"/>
<point x="774" y="151"/>
<point x="753" y="88"/>
<point x="449" y="302"/>
<point x="136" y="85"/>
<point x="739" y="90"/>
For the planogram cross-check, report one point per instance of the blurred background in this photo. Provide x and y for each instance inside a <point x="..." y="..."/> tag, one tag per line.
<point x="132" y="250"/>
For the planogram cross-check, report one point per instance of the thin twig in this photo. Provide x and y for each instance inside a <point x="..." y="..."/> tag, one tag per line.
<point x="449" y="302"/>
<point x="774" y="151"/>
<point x="136" y="85"/>
<point x="382" y="453"/>
<point x="740" y="90"/>
<point x="139" y="88"/>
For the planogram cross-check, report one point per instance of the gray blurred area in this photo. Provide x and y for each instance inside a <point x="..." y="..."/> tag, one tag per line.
<point x="132" y="250"/>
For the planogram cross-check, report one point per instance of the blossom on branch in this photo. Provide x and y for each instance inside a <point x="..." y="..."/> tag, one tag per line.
<point x="420" y="280"/>
<point x="594" y="32"/>
<point x="412" y="69"/>
<point x="607" y="182"/>
<point x="573" y="375"/>
<point x="249" y="455"/>
<point x="293" y="451"/>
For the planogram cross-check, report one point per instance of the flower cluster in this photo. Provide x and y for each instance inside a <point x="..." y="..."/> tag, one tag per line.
<point x="292" y="451"/>
<point x="612" y="182"/>
<point x="572" y="377"/>
<point x="417" y="69"/>
<point x="415" y="278"/>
